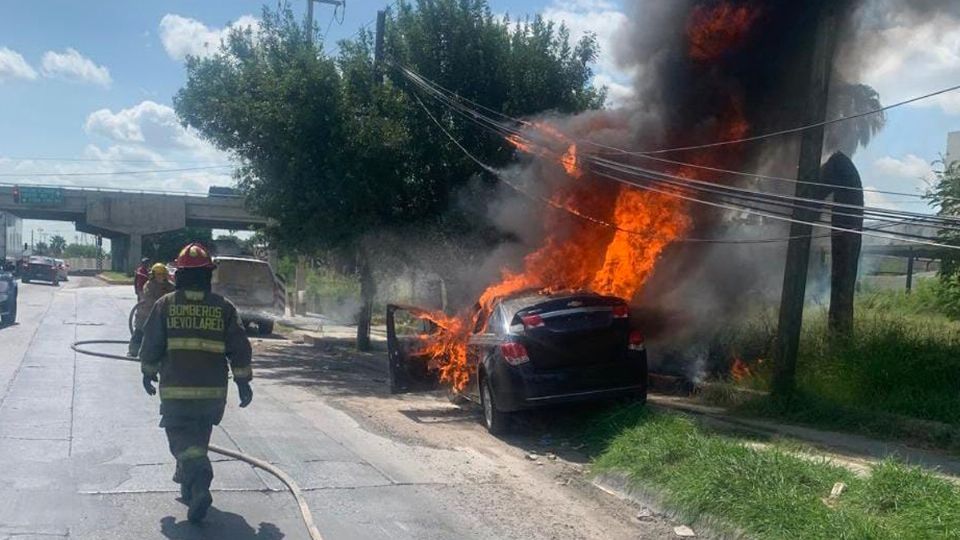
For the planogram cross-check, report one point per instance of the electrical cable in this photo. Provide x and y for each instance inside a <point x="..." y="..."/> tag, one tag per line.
<point x="880" y="213"/>
<point x="114" y="173"/>
<point x="450" y="96"/>
<point x="799" y="129"/>
<point x="500" y="176"/>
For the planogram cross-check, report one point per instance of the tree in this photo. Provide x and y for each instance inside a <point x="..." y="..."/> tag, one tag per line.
<point x="946" y="196"/>
<point x="847" y="100"/>
<point x="57" y="245"/>
<point x="163" y="247"/>
<point x="334" y="156"/>
<point x="80" y="251"/>
<point x="41" y="248"/>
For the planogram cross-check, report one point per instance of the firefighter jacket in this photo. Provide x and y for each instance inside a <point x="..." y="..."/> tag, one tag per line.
<point x="189" y="339"/>
<point x="140" y="279"/>
<point x="152" y="292"/>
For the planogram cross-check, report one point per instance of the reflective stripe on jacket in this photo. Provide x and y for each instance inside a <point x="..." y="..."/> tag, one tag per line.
<point x="190" y="338"/>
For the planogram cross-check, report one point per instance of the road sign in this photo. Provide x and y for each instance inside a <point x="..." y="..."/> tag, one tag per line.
<point x="40" y="196"/>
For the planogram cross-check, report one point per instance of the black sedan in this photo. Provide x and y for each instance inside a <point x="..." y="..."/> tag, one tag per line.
<point x="531" y="350"/>
<point x="41" y="269"/>
<point x="8" y="295"/>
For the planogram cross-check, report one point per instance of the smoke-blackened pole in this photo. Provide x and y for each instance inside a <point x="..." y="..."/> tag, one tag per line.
<point x="798" y="250"/>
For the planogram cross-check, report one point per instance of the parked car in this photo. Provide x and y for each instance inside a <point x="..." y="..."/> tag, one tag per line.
<point x="253" y="287"/>
<point x="41" y="269"/>
<point x="8" y="294"/>
<point x="63" y="269"/>
<point x="531" y="350"/>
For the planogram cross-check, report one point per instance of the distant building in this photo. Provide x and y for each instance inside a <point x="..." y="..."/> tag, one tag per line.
<point x="953" y="147"/>
<point x="11" y="237"/>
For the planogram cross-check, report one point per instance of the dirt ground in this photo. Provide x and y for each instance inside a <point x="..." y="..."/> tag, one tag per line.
<point x="539" y="461"/>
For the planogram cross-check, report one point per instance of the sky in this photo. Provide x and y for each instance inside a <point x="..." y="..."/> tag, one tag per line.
<point x="87" y="87"/>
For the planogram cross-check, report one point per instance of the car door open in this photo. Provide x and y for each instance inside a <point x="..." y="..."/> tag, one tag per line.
<point x="408" y="330"/>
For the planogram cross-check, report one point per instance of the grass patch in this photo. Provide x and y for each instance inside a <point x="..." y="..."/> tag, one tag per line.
<point x="898" y="376"/>
<point x="769" y="492"/>
<point x="117" y="277"/>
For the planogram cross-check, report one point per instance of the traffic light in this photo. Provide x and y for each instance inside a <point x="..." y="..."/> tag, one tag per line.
<point x="16" y="194"/>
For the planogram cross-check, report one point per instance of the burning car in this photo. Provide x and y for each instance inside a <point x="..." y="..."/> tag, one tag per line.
<point x="528" y="350"/>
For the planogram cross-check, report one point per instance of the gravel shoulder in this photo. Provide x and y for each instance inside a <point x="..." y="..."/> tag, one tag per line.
<point x="533" y="484"/>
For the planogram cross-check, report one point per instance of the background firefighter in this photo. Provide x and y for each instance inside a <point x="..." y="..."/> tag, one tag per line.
<point x="158" y="285"/>
<point x="141" y="277"/>
<point x="188" y="339"/>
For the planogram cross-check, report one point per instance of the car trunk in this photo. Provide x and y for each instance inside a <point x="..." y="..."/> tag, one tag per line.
<point x="574" y="331"/>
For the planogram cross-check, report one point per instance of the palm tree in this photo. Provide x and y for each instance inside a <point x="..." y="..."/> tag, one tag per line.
<point x="847" y="100"/>
<point x="57" y="244"/>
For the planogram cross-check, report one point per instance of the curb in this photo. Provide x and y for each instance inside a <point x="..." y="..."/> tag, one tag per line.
<point x="619" y="484"/>
<point x="109" y="281"/>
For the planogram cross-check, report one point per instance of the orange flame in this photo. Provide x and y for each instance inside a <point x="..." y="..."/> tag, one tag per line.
<point x="713" y="31"/>
<point x="578" y="254"/>
<point x="739" y="370"/>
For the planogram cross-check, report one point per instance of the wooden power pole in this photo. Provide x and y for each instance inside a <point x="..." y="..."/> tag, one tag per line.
<point x="798" y="249"/>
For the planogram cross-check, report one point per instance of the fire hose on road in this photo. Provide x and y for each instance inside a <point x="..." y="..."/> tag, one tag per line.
<point x="259" y="463"/>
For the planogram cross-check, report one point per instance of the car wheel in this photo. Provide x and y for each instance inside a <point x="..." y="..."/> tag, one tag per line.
<point x="56" y="282"/>
<point x="495" y="420"/>
<point x="265" y="328"/>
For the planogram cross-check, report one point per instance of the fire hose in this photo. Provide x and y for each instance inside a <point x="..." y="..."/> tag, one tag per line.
<point x="256" y="462"/>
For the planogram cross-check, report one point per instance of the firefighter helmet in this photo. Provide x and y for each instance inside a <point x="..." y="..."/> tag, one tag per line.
<point x="159" y="269"/>
<point x="194" y="255"/>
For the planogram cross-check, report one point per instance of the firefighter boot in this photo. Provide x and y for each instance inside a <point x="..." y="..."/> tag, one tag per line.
<point x="200" y="498"/>
<point x="184" y="485"/>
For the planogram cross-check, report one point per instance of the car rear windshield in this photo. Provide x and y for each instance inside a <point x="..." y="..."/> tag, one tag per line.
<point x="41" y="260"/>
<point x="251" y="274"/>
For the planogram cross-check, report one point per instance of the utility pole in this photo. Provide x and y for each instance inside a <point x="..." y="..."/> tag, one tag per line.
<point x="335" y="3"/>
<point x="798" y="249"/>
<point x="378" y="47"/>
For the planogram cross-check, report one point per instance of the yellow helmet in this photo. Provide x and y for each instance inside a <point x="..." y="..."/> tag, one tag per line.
<point x="159" y="269"/>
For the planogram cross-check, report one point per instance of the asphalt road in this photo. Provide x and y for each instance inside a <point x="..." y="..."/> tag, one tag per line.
<point x="83" y="456"/>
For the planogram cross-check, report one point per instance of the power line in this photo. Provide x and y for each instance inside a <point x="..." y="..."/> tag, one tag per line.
<point x="772" y="215"/>
<point x="800" y="128"/>
<point x="106" y="160"/>
<point x="113" y="173"/>
<point x="449" y="96"/>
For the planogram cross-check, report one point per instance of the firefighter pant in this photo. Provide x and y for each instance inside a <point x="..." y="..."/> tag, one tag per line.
<point x="189" y="441"/>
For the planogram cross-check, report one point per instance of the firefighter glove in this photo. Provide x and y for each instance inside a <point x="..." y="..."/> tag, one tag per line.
<point x="246" y="393"/>
<point x="148" y="381"/>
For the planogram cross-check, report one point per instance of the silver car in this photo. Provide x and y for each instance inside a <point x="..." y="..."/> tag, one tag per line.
<point x="253" y="287"/>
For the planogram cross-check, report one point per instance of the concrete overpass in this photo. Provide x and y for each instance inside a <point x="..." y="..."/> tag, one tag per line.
<point x="125" y="216"/>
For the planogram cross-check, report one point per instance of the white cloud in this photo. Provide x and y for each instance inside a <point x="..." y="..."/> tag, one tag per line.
<point x="910" y="168"/>
<point x="13" y="66"/>
<point x="73" y="66"/>
<point x="618" y="94"/>
<point x="604" y="19"/>
<point x="907" y="57"/>
<point x="183" y="36"/>
<point x="147" y="122"/>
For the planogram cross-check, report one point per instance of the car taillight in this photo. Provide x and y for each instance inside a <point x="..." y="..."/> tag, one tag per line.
<point x="621" y="312"/>
<point x="532" y="321"/>
<point x="514" y="353"/>
<point x="636" y="342"/>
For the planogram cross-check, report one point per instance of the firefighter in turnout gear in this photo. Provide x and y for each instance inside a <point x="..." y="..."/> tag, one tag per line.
<point x="189" y="339"/>
<point x="158" y="286"/>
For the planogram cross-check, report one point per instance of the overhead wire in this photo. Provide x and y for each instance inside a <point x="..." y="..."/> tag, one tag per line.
<point x="500" y="175"/>
<point x="455" y="99"/>
<point x="501" y="129"/>
<point x="113" y="173"/>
